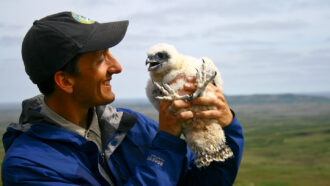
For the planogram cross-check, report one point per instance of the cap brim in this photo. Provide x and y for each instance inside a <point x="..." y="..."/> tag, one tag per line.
<point x="106" y="35"/>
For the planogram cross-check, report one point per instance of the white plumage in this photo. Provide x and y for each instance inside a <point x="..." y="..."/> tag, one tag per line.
<point x="204" y="137"/>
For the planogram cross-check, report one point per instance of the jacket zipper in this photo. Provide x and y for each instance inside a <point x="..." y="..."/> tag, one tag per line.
<point x="107" y="168"/>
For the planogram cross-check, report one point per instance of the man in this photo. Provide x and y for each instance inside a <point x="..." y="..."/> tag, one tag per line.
<point x="70" y="136"/>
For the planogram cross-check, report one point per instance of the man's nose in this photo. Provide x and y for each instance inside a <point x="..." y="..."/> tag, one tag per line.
<point x="114" y="65"/>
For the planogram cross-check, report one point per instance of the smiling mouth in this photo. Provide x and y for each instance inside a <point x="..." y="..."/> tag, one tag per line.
<point x="107" y="82"/>
<point x="153" y="65"/>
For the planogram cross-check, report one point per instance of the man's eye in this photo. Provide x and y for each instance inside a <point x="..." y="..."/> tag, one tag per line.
<point x="101" y="58"/>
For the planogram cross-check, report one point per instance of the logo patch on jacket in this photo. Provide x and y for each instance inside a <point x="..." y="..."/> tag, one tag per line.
<point x="82" y="19"/>
<point x="155" y="159"/>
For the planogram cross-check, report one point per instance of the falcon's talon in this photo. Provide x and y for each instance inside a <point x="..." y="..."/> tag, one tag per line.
<point x="168" y="88"/>
<point x="203" y="71"/>
<point x="197" y="75"/>
<point x="167" y="98"/>
<point x="202" y="81"/>
<point x="169" y="92"/>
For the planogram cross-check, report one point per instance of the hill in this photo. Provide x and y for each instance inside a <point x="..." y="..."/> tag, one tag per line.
<point x="262" y="99"/>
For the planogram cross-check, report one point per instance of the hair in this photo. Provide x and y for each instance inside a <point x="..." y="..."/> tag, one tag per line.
<point x="47" y="87"/>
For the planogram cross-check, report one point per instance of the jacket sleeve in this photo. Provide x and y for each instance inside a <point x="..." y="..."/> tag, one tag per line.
<point x="161" y="165"/>
<point x="218" y="173"/>
<point x="169" y="161"/>
<point x="18" y="171"/>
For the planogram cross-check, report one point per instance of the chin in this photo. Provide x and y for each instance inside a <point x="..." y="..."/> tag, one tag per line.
<point x="106" y="100"/>
<point x="111" y="98"/>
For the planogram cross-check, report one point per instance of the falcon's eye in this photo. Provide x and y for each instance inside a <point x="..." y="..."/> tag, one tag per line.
<point x="161" y="55"/>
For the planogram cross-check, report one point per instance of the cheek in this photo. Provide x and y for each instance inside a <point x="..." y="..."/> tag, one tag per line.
<point x="85" y="86"/>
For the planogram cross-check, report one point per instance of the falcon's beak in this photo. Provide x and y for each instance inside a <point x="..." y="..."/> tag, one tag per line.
<point x="153" y="63"/>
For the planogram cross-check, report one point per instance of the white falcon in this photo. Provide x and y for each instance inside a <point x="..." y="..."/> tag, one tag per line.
<point x="204" y="137"/>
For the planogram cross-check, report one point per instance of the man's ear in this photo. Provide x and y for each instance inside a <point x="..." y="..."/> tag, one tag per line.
<point x="64" y="81"/>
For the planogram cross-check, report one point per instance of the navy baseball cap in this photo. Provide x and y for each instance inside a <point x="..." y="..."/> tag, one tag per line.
<point x="54" y="40"/>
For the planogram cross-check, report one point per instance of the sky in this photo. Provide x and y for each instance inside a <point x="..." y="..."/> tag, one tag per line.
<point x="259" y="46"/>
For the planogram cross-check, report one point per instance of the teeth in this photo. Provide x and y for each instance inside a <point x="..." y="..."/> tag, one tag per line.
<point x="107" y="83"/>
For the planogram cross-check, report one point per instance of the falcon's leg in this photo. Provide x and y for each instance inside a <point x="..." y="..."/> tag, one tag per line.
<point x="169" y="93"/>
<point x="202" y="82"/>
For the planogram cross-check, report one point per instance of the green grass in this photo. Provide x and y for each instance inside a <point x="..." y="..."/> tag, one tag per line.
<point x="286" y="151"/>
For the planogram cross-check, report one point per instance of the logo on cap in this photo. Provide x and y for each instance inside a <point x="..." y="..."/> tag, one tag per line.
<point x="82" y="19"/>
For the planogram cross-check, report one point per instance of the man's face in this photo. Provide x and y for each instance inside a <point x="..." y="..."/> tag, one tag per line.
<point x="92" y="84"/>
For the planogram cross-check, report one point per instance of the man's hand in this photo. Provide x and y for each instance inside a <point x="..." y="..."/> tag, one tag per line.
<point x="171" y="122"/>
<point x="214" y="97"/>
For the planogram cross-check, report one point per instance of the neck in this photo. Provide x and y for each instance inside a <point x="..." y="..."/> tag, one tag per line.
<point x="66" y="107"/>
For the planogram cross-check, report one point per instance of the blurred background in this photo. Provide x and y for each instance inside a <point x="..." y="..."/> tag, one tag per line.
<point x="274" y="57"/>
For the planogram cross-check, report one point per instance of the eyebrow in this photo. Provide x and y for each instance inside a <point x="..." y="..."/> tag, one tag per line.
<point x="100" y="52"/>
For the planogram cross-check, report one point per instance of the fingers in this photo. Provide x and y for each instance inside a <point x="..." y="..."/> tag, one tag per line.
<point x="190" y="84"/>
<point x="208" y="114"/>
<point x="163" y="104"/>
<point x="171" y="121"/>
<point x="185" y="115"/>
<point x="212" y="88"/>
<point x="191" y="79"/>
<point x="190" y="87"/>
<point x="209" y="101"/>
<point x="224" y="117"/>
<point x="178" y="107"/>
<point x="214" y="97"/>
<point x="180" y="104"/>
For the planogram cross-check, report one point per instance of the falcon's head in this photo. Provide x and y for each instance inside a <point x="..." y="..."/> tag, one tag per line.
<point x="162" y="58"/>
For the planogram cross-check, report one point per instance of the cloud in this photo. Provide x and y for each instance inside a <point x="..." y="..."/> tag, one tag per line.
<point x="10" y="30"/>
<point x="328" y="39"/>
<point x="318" y="58"/>
<point x="264" y="25"/>
<point x="6" y="41"/>
<point x="240" y="43"/>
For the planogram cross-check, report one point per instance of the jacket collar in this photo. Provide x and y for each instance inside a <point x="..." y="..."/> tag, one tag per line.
<point x="39" y="125"/>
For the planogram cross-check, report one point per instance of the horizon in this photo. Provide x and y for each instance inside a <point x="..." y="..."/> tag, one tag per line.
<point x="145" y="99"/>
